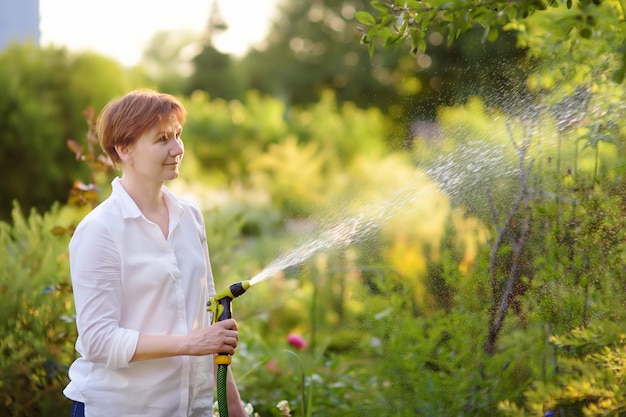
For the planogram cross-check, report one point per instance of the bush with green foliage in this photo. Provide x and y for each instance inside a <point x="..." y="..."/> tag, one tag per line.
<point x="298" y="156"/>
<point x="37" y="315"/>
<point x="45" y="92"/>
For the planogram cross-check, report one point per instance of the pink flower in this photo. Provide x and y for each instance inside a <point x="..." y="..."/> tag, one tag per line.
<point x="297" y="341"/>
<point x="272" y="366"/>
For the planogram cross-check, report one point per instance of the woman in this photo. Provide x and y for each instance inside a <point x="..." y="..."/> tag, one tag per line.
<point x="141" y="278"/>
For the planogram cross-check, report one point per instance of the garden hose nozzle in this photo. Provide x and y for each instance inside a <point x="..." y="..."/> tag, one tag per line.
<point x="220" y="306"/>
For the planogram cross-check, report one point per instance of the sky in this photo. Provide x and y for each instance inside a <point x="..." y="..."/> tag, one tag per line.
<point x="121" y="29"/>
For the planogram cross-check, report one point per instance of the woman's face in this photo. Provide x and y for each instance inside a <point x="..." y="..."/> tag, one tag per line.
<point x="157" y="154"/>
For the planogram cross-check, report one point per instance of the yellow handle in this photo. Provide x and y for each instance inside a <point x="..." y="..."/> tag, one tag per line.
<point x="222" y="359"/>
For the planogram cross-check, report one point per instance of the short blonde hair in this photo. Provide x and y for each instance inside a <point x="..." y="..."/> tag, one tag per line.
<point x="122" y="121"/>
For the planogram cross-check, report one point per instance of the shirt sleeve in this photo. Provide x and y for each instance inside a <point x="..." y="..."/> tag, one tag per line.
<point x="95" y="268"/>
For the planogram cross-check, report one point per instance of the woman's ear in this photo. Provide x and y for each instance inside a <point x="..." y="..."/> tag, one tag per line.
<point x="125" y="153"/>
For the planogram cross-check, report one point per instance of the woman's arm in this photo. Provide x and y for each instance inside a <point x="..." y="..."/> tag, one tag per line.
<point x="95" y="271"/>
<point x="220" y="337"/>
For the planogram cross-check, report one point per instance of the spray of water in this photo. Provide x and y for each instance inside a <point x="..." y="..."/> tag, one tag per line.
<point x="464" y="169"/>
<point x="473" y="167"/>
<point x="339" y="235"/>
<point x="343" y="230"/>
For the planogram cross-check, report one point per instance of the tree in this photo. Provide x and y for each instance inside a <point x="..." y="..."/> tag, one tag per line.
<point x="45" y="92"/>
<point x="167" y="59"/>
<point x="213" y="71"/>
<point x="398" y="22"/>
<point x="314" y="46"/>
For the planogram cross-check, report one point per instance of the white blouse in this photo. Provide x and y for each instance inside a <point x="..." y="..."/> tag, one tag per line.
<point x="128" y="279"/>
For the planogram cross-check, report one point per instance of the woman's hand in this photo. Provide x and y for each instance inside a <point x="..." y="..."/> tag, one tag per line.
<point x="221" y="337"/>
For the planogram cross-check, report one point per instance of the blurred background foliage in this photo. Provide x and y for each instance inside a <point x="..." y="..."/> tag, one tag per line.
<point x="482" y="173"/>
<point x="312" y="49"/>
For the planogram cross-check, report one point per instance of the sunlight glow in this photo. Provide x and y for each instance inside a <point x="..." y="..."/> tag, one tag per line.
<point x="121" y="29"/>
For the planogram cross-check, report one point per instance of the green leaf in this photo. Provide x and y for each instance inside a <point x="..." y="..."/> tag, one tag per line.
<point x="586" y="33"/>
<point x="386" y="20"/>
<point x="511" y="13"/>
<point x="380" y="6"/>
<point x="619" y="74"/>
<point x="405" y="24"/>
<point x="492" y="33"/>
<point x="384" y="32"/>
<point x="422" y="45"/>
<point x="365" y="18"/>
<point x="392" y="39"/>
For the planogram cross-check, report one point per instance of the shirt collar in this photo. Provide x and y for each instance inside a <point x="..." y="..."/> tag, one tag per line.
<point x="173" y="204"/>
<point x="130" y="209"/>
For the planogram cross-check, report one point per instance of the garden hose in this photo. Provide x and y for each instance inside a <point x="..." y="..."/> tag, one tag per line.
<point x="222" y="394"/>
<point x="220" y="306"/>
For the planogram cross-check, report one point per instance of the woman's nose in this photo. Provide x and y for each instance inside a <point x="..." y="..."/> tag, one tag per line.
<point x="178" y="148"/>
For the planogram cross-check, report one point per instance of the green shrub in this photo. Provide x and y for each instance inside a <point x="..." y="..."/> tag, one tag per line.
<point x="37" y="316"/>
<point x="298" y="156"/>
<point x="44" y="94"/>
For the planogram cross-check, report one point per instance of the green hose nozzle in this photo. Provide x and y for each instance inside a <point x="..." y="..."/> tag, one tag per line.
<point x="220" y="306"/>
